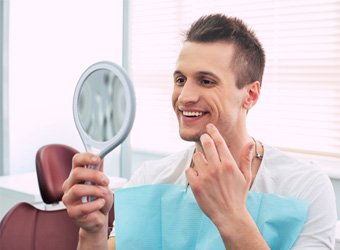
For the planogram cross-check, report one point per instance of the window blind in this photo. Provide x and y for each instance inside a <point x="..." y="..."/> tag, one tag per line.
<point x="299" y="107"/>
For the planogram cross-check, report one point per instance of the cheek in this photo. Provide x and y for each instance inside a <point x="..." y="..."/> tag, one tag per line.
<point x="174" y="97"/>
<point x="225" y="107"/>
<point x="175" y="94"/>
<point x="219" y="103"/>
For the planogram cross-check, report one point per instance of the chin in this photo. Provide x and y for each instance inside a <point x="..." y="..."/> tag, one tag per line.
<point x="190" y="136"/>
<point x="192" y="139"/>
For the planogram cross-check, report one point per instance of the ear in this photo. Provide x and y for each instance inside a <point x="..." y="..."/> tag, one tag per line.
<point x="252" y="94"/>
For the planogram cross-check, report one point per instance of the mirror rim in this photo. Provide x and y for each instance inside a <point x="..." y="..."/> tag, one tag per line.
<point x="103" y="147"/>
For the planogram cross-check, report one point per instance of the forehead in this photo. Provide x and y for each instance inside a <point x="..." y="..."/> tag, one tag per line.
<point x="213" y="56"/>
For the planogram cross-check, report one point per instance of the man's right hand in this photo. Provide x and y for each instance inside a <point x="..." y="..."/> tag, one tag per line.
<point x="92" y="217"/>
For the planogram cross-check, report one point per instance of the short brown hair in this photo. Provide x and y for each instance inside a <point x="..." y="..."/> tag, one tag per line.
<point x="249" y="58"/>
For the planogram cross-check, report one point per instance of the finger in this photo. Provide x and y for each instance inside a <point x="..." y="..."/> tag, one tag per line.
<point x="82" y="160"/>
<point x="80" y="175"/>
<point x="85" y="159"/>
<point x="200" y="163"/>
<point x="220" y="143"/>
<point x="246" y="160"/>
<point x="83" y="209"/>
<point x="191" y="175"/>
<point x="79" y="161"/>
<point x="75" y="194"/>
<point x="209" y="148"/>
<point x="80" y="190"/>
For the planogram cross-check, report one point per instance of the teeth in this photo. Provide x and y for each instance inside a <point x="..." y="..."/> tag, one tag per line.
<point x="187" y="113"/>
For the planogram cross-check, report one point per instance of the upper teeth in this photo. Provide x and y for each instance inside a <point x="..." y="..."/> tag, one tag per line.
<point x="187" y="113"/>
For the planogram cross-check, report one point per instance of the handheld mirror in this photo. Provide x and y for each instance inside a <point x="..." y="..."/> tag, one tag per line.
<point x="103" y="108"/>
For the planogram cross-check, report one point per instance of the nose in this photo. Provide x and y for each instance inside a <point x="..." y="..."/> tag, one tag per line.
<point x="189" y="93"/>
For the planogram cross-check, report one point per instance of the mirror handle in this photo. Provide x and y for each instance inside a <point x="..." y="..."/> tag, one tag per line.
<point x="89" y="198"/>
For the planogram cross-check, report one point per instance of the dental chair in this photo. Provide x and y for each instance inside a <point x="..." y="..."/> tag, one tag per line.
<point x="28" y="227"/>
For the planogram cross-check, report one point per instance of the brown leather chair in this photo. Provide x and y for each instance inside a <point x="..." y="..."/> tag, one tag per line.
<point x="53" y="165"/>
<point x="26" y="227"/>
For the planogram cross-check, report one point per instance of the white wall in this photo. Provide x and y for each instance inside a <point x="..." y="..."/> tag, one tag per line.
<point x="51" y="43"/>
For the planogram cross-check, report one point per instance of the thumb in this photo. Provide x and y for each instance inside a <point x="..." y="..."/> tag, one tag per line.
<point x="246" y="160"/>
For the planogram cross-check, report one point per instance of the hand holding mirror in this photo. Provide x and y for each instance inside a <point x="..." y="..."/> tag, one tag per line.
<point x="103" y="108"/>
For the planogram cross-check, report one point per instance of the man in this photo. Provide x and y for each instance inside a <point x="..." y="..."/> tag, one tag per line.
<point x="217" y="80"/>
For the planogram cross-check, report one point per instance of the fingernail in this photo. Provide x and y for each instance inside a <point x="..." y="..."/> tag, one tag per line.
<point x="94" y="159"/>
<point x="251" y="147"/>
<point x="202" y="136"/>
<point x="209" y="126"/>
<point x="105" y="180"/>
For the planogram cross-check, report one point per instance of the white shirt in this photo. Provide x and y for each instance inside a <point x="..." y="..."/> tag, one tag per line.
<point x="279" y="174"/>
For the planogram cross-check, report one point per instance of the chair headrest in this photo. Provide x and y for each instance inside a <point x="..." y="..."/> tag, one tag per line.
<point x="53" y="166"/>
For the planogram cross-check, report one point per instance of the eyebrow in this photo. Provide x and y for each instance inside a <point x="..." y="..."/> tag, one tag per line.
<point x="199" y="73"/>
<point x="177" y="72"/>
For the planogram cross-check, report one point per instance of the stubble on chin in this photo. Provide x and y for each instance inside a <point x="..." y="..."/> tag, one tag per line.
<point x="190" y="137"/>
<point x="188" y="134"/>
<point x="194" y="138"/>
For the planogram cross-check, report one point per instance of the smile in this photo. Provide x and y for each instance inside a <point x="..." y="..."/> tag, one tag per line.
<point x="192" y="114"/>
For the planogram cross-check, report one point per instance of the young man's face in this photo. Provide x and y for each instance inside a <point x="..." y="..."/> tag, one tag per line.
<point x="205" y="90"/>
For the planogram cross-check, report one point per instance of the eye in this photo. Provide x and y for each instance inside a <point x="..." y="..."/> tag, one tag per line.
<point x="207" y="82"/>
<point x="180" y="80"/>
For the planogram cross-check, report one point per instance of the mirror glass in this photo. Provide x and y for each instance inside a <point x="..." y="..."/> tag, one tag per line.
<point x="103" y="107"/>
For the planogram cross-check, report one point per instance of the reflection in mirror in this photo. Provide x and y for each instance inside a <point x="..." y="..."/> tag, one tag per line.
<point x="102" y="105"/>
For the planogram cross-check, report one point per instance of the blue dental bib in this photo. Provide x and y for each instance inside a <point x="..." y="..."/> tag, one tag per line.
<point x="164" y="217"/>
